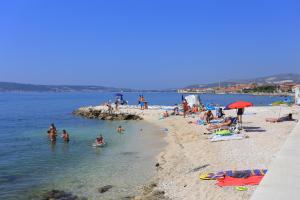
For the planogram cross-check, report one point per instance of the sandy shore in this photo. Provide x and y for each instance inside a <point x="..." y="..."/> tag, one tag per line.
<point x="188" y="148"/>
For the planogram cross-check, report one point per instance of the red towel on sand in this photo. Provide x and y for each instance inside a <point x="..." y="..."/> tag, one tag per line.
<point x="230" y="181"/>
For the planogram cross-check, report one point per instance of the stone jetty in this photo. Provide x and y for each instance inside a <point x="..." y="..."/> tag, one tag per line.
<point x="102" y="113"/>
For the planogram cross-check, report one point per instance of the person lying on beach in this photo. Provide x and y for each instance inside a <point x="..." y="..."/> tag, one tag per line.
<point x="65" y="136"/>
<point x="288" y="117"/>
<point x="225" y="125"/>
<point x="120" y="129"/>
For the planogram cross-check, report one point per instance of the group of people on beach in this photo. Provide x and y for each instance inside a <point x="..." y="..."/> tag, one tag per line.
<point x="52" y="134"/>
<point x="142" y="102"/>
<point x="208" y="116"/>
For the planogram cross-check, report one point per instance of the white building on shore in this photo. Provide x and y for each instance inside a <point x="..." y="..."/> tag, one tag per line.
<point x="296" y="89"/>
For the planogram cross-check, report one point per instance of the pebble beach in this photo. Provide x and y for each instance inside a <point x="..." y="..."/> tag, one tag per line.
<point x="189" y="148"/>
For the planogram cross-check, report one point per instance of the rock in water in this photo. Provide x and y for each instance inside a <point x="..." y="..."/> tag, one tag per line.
<point x="93" y="113"/>
<point x="61" y="195"/>
<point x="105" y="188"/>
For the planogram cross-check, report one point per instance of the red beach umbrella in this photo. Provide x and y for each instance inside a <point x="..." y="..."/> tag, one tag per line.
<point x="239" y="104"/>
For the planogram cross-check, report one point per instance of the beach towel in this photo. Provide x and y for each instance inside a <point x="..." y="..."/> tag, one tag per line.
<point x="231" y="173"/>
<point x="217" y="138"/>
<point x="216" y="121"/>
<point x="200" y="122"/>
<point x="223" y="132"/>
<point x="230" y="181"/>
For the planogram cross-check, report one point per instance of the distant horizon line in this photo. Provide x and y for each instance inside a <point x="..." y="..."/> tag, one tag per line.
<point x="114" y="87"/>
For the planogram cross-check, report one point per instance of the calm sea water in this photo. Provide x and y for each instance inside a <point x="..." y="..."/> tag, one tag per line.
<point x="30" y="165"/>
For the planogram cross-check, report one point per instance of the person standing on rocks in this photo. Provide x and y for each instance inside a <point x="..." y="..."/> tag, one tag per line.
<point x="117" y="102"/>
<point x="109" y="107"/>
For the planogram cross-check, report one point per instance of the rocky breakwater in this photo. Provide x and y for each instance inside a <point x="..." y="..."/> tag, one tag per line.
<point x="102" y="113"/>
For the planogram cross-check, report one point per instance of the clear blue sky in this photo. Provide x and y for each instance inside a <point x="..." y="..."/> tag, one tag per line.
<point x="146" y="43"/>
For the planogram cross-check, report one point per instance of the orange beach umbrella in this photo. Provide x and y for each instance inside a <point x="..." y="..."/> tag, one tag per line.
<point x="239" y="104"/>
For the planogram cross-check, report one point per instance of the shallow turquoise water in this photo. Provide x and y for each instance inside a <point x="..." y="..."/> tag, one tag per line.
<point x="29" y="164"/>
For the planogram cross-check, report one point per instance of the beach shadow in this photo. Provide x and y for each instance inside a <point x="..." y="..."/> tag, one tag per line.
<point x="251" y="127"/>
<point x="253" y="131"/>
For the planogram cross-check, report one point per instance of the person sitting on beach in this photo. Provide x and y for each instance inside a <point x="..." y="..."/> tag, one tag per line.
<point x="225" y="125"/>
<point x="208" y="116"/>
<point x="195" y="109"/>
<point x="166" y="114"/>
<point x="65" y="136"/>
<point x="175" y="110"/>
<point x="288" y="117"/>
<point x="220" y="113"/>
<point x="120" y="129"/>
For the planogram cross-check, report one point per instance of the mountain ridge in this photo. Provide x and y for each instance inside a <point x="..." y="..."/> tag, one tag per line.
<point x="26" y="87"/>
<point x="272" y="79"/>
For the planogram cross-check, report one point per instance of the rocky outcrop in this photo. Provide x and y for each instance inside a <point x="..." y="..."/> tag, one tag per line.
<point x="103" y="114"/>
<point x="61" y="195"/>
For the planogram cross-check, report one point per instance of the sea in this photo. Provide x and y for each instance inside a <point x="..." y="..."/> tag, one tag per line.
<point x="30" y="165"/>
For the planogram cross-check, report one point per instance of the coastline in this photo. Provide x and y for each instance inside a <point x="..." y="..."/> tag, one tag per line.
<point x="243" y="93"/>
<point x="188" y="148"/>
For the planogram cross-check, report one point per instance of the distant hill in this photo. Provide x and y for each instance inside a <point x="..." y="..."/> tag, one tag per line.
<point x="21" y="87"/>
<point x="8" y="86"/>
<point x="274" y="79"/>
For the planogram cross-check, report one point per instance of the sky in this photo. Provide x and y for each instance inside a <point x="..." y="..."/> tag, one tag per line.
<point x="149" y="44"/>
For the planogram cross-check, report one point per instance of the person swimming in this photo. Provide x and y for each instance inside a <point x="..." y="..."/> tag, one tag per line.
<point x="65" y="136"/>
<point x="100" y="139"/>
<point x="120" y="129"/>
